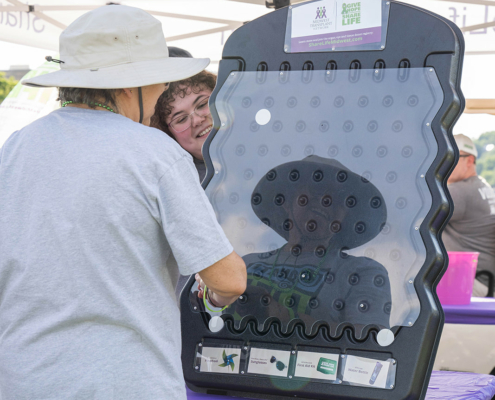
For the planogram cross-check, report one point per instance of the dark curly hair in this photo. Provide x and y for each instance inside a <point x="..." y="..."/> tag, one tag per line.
<point x="203" y="81"/>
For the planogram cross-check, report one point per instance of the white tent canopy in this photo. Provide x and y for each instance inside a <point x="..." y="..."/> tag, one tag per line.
<point x="202" y="26"/>
<point x="476" y="18"/>
<point x="199" y="24"/>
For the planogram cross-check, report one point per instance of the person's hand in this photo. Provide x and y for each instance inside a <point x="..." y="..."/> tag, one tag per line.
<point x="201" y="285"/>
<point x="225" y="280"/>
<point x="213" y="298"/>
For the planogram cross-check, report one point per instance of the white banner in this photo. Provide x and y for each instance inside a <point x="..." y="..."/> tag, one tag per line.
<point x="28" y="29"/>
<point x="467" y="16"/>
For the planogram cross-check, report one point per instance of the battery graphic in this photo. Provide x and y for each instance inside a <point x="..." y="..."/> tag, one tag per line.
<point x="376" y="371"/>
<point x="327" y="366"/>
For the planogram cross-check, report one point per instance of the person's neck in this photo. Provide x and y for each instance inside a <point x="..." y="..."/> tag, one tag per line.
<point x="464" y="177"/>
<point x="471" y="174"/>
<point x="88" y="107"/>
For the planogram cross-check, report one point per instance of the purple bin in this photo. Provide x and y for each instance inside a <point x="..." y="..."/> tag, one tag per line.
<point x="456" y="286"/>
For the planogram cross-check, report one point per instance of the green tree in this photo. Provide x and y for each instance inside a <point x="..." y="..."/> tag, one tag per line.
<point x="485" y="164"/>
<point x="6" y="85"/>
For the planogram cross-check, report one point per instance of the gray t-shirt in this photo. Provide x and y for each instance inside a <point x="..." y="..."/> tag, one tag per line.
<point x="182" y="281"/>
<point x="98" y="216"/>
<point x="472" y="226"/>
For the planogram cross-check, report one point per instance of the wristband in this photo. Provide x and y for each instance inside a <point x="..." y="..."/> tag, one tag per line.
<point x="208" y="298"/>
<point x="206" y="303"/>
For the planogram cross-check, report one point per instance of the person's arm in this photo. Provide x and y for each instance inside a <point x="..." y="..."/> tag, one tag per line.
<point x="226" y="280"/>
<point x="197" y="241"/>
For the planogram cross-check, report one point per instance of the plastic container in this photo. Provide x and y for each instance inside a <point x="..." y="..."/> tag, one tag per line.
<point x="456" y="286"/>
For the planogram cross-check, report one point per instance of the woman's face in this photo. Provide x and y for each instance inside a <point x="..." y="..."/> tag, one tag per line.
<point x="185" y="112"/>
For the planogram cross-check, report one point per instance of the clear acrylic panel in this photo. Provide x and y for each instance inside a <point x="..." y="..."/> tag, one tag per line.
<point x="319" y="185"/>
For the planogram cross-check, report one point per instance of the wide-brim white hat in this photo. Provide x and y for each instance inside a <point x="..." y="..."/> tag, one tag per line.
<point x="114" y="47"/>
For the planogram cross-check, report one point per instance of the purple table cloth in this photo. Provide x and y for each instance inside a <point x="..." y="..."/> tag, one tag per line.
<point x="481" y="311"/>
<point x="444" y="385"/>
<point x="449" y="385"/>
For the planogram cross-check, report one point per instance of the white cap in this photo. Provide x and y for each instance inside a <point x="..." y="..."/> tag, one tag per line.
<point x="466" y="144"/>
<point x="115" y="47"/>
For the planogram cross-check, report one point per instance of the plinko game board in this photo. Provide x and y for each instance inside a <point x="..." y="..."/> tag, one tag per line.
<point x="327" y="170"/>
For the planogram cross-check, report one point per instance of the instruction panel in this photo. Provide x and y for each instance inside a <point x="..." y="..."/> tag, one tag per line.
<point x="317" y="365"/>
<point x="220" y="360"/>
<point x="366" y="371"/>
<point x="268" y="362"/>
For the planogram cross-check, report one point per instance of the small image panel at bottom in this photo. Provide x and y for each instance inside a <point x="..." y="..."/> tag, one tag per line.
<point x="268" y="362"/>
<point x="317" y="365"/>
<point x="220" y="360"/>
<point x="366" y="372"/>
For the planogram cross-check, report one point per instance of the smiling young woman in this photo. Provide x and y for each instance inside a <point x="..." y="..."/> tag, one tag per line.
<point x="182" y="112"/>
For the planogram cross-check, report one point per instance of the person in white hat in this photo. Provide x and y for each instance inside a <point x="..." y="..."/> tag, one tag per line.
<point x="472" y="226"/>
<point x="99" y="214"/>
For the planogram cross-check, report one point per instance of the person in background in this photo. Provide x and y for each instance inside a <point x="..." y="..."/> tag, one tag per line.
<point x="183" y="113"/>
<point x="472" y="226"/>
<point x="165" y="102"/>
<point x="178" y="52"/>
<point x="99" y="214"/>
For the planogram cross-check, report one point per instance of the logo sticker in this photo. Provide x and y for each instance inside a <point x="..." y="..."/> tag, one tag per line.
<point x="321" y="12"/>
<point x="228" y="360"/>
<point x="326" y="366"/>
<point x="351" y="13"/>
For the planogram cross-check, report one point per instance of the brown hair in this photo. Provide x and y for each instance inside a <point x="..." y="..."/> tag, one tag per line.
<point x="203" y="81"/>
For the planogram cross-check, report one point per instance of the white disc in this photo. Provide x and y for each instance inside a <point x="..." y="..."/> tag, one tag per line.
<point x="263" y="116"/>
<point x="385" y="337"/>
<point x="216" y="324"/>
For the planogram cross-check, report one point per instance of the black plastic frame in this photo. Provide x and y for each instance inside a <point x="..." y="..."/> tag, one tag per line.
<point x="415" y="38"/>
